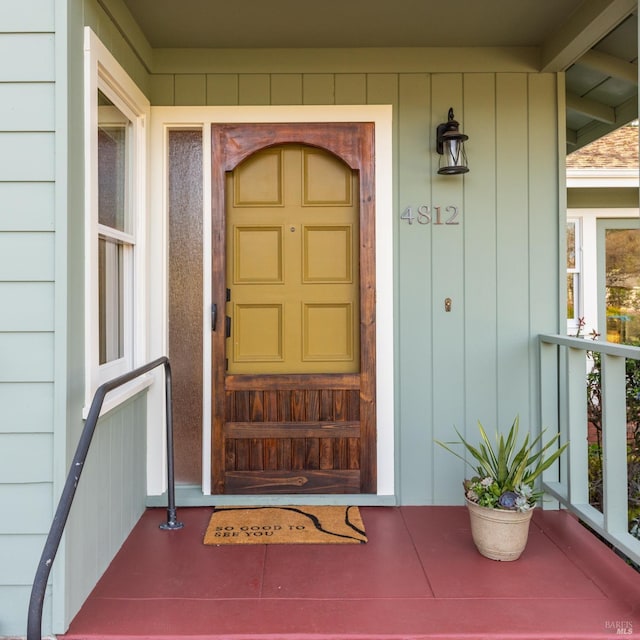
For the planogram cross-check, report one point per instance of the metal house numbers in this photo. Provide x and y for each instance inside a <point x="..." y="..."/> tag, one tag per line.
<point x="426" y="214"/>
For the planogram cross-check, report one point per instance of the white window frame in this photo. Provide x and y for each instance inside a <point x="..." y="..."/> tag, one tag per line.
<point x="104" y="73"/>
<point x="576" y="272"/>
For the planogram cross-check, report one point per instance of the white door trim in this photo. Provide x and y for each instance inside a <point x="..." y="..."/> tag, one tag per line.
<point x="163" y="118"/>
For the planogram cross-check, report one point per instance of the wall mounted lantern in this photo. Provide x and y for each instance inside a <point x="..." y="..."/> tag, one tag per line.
<point x="450" y="146"/>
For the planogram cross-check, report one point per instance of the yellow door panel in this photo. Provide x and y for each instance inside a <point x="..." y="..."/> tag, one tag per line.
<point x="327" y="254"/>
<point x="326" y="180"/>
<point x="328" y="332"/>
<point x="292" y="264"/>
<point x="258" y="180"/>
<point x="258" y="255"/>
<point x="261" y="326"/>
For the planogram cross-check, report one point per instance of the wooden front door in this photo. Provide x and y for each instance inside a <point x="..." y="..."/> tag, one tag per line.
<point x="293" y="271"/>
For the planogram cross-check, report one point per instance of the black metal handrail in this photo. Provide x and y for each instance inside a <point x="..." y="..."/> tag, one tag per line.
<point x="34" y="622"/>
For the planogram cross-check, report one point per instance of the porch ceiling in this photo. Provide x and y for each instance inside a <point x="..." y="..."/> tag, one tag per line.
<point x="594" y="41"/>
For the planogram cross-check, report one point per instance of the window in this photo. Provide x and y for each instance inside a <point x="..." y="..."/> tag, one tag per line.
<point x="619" y="280"/>
<point x="115" y="156"/>
<point x="116" y="243"/>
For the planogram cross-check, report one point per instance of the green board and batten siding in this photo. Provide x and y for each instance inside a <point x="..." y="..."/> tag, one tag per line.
<point x="497" y="266"/>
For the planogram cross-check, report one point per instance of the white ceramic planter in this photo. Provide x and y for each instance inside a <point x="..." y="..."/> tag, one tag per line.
<point x="497" y="533"/>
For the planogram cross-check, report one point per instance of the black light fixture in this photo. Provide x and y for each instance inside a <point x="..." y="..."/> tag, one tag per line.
<point x="450" y="146"/>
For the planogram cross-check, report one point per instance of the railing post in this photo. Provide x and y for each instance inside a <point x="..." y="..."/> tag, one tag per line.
<point x="578" y="421"/>
<point x="614" y="444"/>
<point x="549" y="386"/>
<point x="172" y="521"/>
<point x="550" y="416"/>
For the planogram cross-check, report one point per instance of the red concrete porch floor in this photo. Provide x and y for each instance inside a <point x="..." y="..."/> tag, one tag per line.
<point x="418" y="577"/>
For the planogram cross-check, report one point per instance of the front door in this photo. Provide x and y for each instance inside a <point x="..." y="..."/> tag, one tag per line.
<point x="294" y="325"/>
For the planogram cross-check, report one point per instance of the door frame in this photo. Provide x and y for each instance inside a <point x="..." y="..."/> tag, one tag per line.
<point x="353" y="144"/>
<point x="164" y="118"/>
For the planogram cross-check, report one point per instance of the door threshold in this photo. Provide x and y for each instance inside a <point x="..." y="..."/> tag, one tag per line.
<point x="192" y="496"/>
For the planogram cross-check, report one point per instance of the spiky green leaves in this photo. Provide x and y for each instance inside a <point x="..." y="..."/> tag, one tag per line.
<point x="512" y="466"/>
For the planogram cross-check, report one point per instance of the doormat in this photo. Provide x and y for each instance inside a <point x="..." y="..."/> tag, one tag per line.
<point x="285" y="525"/>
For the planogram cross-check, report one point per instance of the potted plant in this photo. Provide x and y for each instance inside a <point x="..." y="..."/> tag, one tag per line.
<point x="501" y="495"/>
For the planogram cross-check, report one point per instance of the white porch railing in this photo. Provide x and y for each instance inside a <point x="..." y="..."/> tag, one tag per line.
<point x="563" y="392"/>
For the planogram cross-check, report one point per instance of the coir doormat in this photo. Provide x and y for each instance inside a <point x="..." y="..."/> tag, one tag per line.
<point x="285" y="525"/>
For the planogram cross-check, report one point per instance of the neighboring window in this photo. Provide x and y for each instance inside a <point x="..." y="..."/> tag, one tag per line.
<point x="573" y="276"/>
<point x="115" y="178"/>
<point x="622" y="285"/>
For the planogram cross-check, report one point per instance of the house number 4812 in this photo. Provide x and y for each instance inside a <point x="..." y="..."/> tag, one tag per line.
<point x="425" y="214"/>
